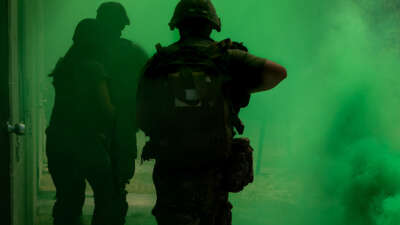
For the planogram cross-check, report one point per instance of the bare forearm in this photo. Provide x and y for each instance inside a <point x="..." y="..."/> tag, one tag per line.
<point x="271" y="75"/>
<point x="257" y="73"/>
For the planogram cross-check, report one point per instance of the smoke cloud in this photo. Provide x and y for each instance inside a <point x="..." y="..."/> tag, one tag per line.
<point x="327" y="139"/>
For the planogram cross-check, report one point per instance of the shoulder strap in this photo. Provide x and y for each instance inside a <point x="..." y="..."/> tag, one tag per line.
<point x="229" y="44"/>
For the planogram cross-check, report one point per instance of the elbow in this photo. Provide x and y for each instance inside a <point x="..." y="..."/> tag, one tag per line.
<point x="278" y="71"/>
<point x="272" y="75"/>
<point x="281" y="74"/>
<point x="275" y="76"/>
<point x="284" y="74"/>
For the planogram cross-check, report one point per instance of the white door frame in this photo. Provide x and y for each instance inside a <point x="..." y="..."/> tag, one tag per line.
<point x="19" y="207"/>
<point x="26" y="70"/>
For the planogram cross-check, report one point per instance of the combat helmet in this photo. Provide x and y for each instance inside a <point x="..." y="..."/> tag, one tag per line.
<point x="113" y="12"/>
<point x="195" y="9"/>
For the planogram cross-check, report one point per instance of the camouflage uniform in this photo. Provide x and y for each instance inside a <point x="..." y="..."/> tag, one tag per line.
<point x="193" y="186"/>
<point x="187" y="192"/>
<point x="190" y="196"/>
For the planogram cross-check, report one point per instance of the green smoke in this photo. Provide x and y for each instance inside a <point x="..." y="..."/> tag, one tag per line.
<point x="372" y="197"/>
<point x="330" y="127"/>
<point x="327" y="138"/>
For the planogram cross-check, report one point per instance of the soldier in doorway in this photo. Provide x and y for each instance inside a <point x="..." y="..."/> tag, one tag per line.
<point x="189" y="98"/>
<point x="125" y="61"/>
<point x="80" y="127"/>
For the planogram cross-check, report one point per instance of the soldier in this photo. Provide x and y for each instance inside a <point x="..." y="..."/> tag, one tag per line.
<point x="125" y="60"/>
<point x="188" y="103"/>
<point x="80" y="124"/>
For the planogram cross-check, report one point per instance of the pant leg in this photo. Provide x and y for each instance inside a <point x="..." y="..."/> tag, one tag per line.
<point x="223" y="212"/>
<point x="189" y="198"/>
<point x="121" y="176"/>
<point x="103" y="189"/>
<point x="121" y="203"/>
<point x="170" y="208"/>
<point x="98" y="171"/>
<point x="70" y="186"/>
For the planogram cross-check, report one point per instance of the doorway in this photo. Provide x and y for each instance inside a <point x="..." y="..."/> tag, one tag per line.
<point x="35" y="46"/>
<point x="24" y="111"/>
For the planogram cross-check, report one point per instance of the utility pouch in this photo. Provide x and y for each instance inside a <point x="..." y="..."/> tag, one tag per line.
<point x="238" y="172"/>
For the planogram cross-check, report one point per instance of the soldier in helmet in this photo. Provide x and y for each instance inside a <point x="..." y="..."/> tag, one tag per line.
<point x="189" y="98"/>
<point x="79" y="130"/>
<point x="125" y="61"/>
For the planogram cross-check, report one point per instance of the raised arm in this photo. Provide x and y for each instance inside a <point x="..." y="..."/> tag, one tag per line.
<point x="255" y="73"/>
<point x="271" y="75"/>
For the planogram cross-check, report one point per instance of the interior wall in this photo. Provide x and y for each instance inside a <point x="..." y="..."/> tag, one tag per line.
<point x="4" y="115"/>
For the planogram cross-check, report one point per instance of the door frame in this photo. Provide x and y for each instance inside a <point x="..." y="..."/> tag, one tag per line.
<point x="23" y="107"/>
<point x="32" y="71"/>
<point x="18" y="173"/>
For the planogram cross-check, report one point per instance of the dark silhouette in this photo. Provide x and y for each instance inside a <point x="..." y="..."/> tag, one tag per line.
<point x="80" y="126"/>
<point x="189" y="98"/>
<point x="95" y="103"/>
<point x="125" y="60"/>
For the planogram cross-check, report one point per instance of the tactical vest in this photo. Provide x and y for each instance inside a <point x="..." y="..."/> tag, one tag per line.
<point x="191" y="114"/>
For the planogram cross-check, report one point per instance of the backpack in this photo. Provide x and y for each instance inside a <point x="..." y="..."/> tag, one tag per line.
<point x="188" y="113"/>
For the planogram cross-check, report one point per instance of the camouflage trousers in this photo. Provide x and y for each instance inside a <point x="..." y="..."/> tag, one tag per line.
<point x="190" y="197"/>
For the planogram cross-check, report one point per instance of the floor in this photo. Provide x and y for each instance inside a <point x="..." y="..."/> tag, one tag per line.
<point x="275" y="198"/>
<point x="141" y="198"/>
<point x="139" y="212"/>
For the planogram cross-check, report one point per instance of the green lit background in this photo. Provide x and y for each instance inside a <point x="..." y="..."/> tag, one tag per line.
<point x="326" y="139"/>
